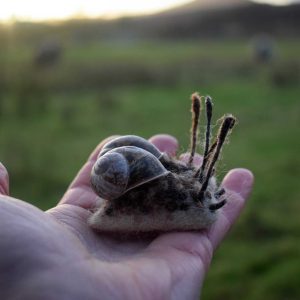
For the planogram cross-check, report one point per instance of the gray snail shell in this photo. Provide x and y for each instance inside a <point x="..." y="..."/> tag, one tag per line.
<point x="130" y="140"/>
<point x="122" y="169"/>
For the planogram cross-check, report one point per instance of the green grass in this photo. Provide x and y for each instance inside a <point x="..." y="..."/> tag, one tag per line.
<point x="51" y="120"/>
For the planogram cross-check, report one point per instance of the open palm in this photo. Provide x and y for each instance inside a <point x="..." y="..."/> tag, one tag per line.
<point x="55" y="255"/>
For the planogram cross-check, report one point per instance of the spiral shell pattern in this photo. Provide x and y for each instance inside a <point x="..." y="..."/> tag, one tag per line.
<point x="122" y="169"/>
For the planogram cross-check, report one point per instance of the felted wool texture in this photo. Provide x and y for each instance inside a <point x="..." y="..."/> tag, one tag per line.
<point x="158" y="207"/>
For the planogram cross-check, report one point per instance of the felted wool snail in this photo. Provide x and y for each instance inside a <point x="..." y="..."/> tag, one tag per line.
<point x="144" y="190"/>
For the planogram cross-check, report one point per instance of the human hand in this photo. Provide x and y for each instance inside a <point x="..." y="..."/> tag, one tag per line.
<point x="55" y="255"/>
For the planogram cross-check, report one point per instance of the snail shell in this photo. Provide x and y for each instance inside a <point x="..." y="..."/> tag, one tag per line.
<point x="131" y="140"/>
<point x="122" y="169"/>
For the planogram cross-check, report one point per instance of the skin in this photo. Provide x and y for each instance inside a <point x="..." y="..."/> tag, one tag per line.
<point x="55" y="255"/>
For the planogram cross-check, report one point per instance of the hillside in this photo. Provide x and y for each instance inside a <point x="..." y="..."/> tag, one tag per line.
<point x="206" y="5"/>
<point x="208" y="19"/>
<point x="198" y="19"/>
<point x="234" y="18"/>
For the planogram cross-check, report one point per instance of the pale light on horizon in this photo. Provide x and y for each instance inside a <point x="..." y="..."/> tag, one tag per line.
<point x="37" y="10"/>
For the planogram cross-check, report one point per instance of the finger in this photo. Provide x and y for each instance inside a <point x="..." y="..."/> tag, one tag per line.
<point x="4" y="180"/>
<point x="79" y="192"/>
<point x="238" y="185"/>
<point x="197" y="158"/>
<point x="165" y="143"/>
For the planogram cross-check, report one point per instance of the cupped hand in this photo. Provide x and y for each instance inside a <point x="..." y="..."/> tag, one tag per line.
<point x="55" y="255"/>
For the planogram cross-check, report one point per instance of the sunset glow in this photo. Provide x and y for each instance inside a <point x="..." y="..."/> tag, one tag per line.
<point x="53" y="10"/>
<point x="36" y="10"/>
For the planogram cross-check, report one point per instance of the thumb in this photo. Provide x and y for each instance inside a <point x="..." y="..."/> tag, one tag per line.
<point x="238" y="185"/>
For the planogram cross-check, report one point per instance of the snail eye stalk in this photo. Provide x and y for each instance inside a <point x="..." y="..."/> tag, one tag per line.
<point x="196" y="108"/>
<point x="226" y="126"/>
<point x="208" y="106"/>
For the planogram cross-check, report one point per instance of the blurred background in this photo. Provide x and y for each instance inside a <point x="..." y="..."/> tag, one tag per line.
<point x="75" y="72"/>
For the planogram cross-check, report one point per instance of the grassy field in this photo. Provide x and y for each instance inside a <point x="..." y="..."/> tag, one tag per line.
<point x="52" y="118"/>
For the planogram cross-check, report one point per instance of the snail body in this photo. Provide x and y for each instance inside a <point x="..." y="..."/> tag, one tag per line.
<point x="144" y="190"/>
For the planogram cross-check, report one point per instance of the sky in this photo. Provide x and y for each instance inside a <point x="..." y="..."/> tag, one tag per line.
<point x="36" y="10"/>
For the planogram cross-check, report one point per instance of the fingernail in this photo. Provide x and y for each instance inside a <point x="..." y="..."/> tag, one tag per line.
<point x="239" y="181"/>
